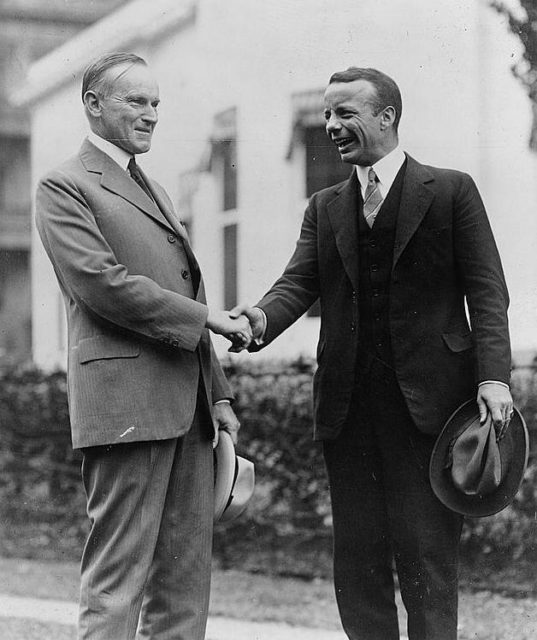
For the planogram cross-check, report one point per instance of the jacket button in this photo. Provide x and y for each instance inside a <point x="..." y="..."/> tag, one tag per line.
<point x="174" y="343"/>
<point x="185" y="275"/>
<point x="172" y="238"/>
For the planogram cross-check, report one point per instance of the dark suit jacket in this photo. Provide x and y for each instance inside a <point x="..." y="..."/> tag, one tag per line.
<point x="444" y="254"/>
<point x="137" y="337"/>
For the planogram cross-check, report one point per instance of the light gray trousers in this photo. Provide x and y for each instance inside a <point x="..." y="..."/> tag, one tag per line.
<point x="147" y="560"/>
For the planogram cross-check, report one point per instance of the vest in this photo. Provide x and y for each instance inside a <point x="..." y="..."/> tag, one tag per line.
<point x="375" y="258"/>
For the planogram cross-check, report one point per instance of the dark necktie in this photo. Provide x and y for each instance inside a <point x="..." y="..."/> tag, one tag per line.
<point x="137" y="177"/>
<point x="192" y="262"/>
<point x="372" y="198"/>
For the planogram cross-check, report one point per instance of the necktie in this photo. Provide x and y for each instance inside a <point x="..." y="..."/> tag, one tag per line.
<point x="372" y="198"/>
<point x="192" y="262"/>
<point x="137" y="176"/>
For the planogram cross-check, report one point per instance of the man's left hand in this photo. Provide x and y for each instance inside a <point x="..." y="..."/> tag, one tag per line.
<point x="495" y="399"/>
<point x="224" y="419"/>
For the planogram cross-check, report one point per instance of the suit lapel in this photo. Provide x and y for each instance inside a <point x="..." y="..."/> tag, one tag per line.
<point x="416" y="199"/>
<point x="114" y="179"/>
<point x="343" y="214"/>
<point x="162" y="205"/>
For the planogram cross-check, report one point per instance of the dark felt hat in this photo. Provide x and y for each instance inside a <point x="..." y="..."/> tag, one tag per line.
<point x="471" y="471"/>
<point x="234" y="480"/>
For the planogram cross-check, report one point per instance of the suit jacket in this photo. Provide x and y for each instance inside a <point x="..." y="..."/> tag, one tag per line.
<point x="444" y="256"/>
<point x="136" y="333"/>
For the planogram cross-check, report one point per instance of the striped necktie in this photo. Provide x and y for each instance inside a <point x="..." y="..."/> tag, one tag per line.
<point x="372" y="198"/>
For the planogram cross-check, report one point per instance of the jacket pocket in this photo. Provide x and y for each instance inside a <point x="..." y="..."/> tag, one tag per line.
<point x="105" y="347"/>
<point x="458" y="342"/>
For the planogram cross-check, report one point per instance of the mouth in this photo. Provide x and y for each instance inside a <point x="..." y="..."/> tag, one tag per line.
<point x="144" y="131"/>
<point x="343" y="143"/>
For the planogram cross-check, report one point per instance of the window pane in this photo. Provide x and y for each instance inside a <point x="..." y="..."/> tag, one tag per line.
<point x="229" y="157"/>
<point x="323" y="163"/>
<point x="230" y="266"/>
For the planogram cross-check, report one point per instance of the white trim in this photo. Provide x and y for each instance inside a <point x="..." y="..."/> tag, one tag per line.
<point x="139" y="21"/>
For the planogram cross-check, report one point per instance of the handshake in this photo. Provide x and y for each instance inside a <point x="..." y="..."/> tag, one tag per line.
<point x="240" y="326"/>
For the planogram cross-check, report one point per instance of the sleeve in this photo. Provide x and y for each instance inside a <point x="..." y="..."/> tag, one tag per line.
<point x="298" y="287"/>
<point x="90" y="274"/>
<point x="480" y="268"/>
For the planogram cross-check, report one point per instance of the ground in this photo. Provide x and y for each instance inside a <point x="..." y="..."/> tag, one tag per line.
<point x="483" y="615"/>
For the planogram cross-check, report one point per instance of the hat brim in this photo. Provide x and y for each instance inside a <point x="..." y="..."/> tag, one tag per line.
<point x="234" y="480"/>
<point x="513" y="446"/>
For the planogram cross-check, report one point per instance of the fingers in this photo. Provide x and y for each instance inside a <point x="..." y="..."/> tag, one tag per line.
<point x="482" y="409"/>
<point x="239" y="310"/>
<point x="496" y="399"/>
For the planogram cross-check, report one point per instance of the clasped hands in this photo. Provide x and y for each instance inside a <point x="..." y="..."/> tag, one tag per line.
<point x="240" y="326"/>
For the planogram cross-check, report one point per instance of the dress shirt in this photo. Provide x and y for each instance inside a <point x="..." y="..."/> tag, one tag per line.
<point x="117" y="154"/>
<point x="386" y="170"/>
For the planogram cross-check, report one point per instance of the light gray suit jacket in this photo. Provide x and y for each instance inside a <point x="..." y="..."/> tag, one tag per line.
<point x="136" y="331"/>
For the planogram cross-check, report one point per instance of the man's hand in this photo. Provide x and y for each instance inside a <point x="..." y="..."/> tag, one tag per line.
<point x="495" y="399"/>
<point x="235" y="328"/>
<point x="224" y="419"/>
<point x="257" y="324"/>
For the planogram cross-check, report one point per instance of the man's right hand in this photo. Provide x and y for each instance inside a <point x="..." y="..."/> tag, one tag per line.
<point x="257" y="324"/>
<point x="223" y="323"/>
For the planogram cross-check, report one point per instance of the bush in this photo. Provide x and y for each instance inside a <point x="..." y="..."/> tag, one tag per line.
<point x="287" y="527"/>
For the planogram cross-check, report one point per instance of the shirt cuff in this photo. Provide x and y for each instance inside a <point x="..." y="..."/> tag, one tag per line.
<point x="261" y="338"/>
<point x="503" y="384"/>
<point x="223" y="401"/>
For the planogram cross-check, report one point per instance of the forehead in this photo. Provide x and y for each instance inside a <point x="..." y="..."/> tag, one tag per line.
<point x="131" y="78"/>
<point x="355" y="93"/>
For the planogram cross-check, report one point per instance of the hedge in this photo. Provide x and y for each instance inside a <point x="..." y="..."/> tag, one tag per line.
<point x="287" y="528"/>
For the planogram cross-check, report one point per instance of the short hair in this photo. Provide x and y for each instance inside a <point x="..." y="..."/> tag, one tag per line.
<point x="388" y="94"/>
<point x="94" y="73"/>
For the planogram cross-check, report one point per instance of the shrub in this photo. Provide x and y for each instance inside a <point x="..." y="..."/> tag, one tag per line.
<point x="287" y="528"/>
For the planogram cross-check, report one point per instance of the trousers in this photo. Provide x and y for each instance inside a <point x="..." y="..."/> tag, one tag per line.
<point x="386" y="515"/>
<point x="146" y="565"/>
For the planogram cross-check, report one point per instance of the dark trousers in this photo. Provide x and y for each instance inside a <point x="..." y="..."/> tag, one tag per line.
<point x="384" y="510"/>
<point x="147" y="561"/>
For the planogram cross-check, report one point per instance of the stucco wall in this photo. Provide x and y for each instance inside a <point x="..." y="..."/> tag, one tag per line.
<point x="462" y="108"/>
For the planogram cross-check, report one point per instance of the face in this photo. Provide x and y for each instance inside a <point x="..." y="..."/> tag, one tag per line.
<point x="126" y="108"/>
<point x="361" y="137"/>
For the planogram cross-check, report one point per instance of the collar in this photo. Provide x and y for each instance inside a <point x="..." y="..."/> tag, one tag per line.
<point x="116" y="153"/>
<point x="386" y="169"/>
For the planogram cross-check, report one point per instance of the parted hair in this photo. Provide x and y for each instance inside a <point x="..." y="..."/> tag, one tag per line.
<point x="94" y="73"/>
<point x="387" y="91"/>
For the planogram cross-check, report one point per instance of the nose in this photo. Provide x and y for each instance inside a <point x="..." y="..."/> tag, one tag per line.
<point x="150" y="115"/>
<point x="332" y="124"/>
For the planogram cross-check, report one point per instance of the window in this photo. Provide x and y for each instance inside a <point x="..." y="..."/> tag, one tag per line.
<point x="230" y="266"/>
<point x="224" y="157"/>
<point x="322" y="165"/>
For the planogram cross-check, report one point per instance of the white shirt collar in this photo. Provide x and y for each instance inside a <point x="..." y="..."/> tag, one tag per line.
<point x="116" y="153"/>
<point x="386" y="169"/>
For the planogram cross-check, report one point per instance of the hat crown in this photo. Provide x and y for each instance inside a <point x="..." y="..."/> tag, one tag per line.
<point x="476" y="463"/>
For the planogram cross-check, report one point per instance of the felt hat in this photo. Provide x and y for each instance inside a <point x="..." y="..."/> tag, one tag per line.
<point x="234" y="480"/>
<point x="471" y="471"/>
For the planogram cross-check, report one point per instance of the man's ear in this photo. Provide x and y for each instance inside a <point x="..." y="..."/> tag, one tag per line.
<point x="92" y="103"/>
<point x="387" y="117"/>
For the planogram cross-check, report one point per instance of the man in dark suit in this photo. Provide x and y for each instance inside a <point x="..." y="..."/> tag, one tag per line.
<point x="146" y="393"/>
<point x="393" y="254"/>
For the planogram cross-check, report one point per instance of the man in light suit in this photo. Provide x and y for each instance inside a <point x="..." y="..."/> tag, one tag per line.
<point x="146" y="393"/>
<point x="393" y="254"/>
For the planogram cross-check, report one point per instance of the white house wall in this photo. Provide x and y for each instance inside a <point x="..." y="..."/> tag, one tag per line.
<point x="461" y="108"/>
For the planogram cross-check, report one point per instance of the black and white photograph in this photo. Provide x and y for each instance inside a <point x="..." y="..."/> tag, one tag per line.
<point x="268" y="320"/>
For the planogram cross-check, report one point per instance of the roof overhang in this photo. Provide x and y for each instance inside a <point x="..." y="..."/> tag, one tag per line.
<point x="138" y="23"/>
